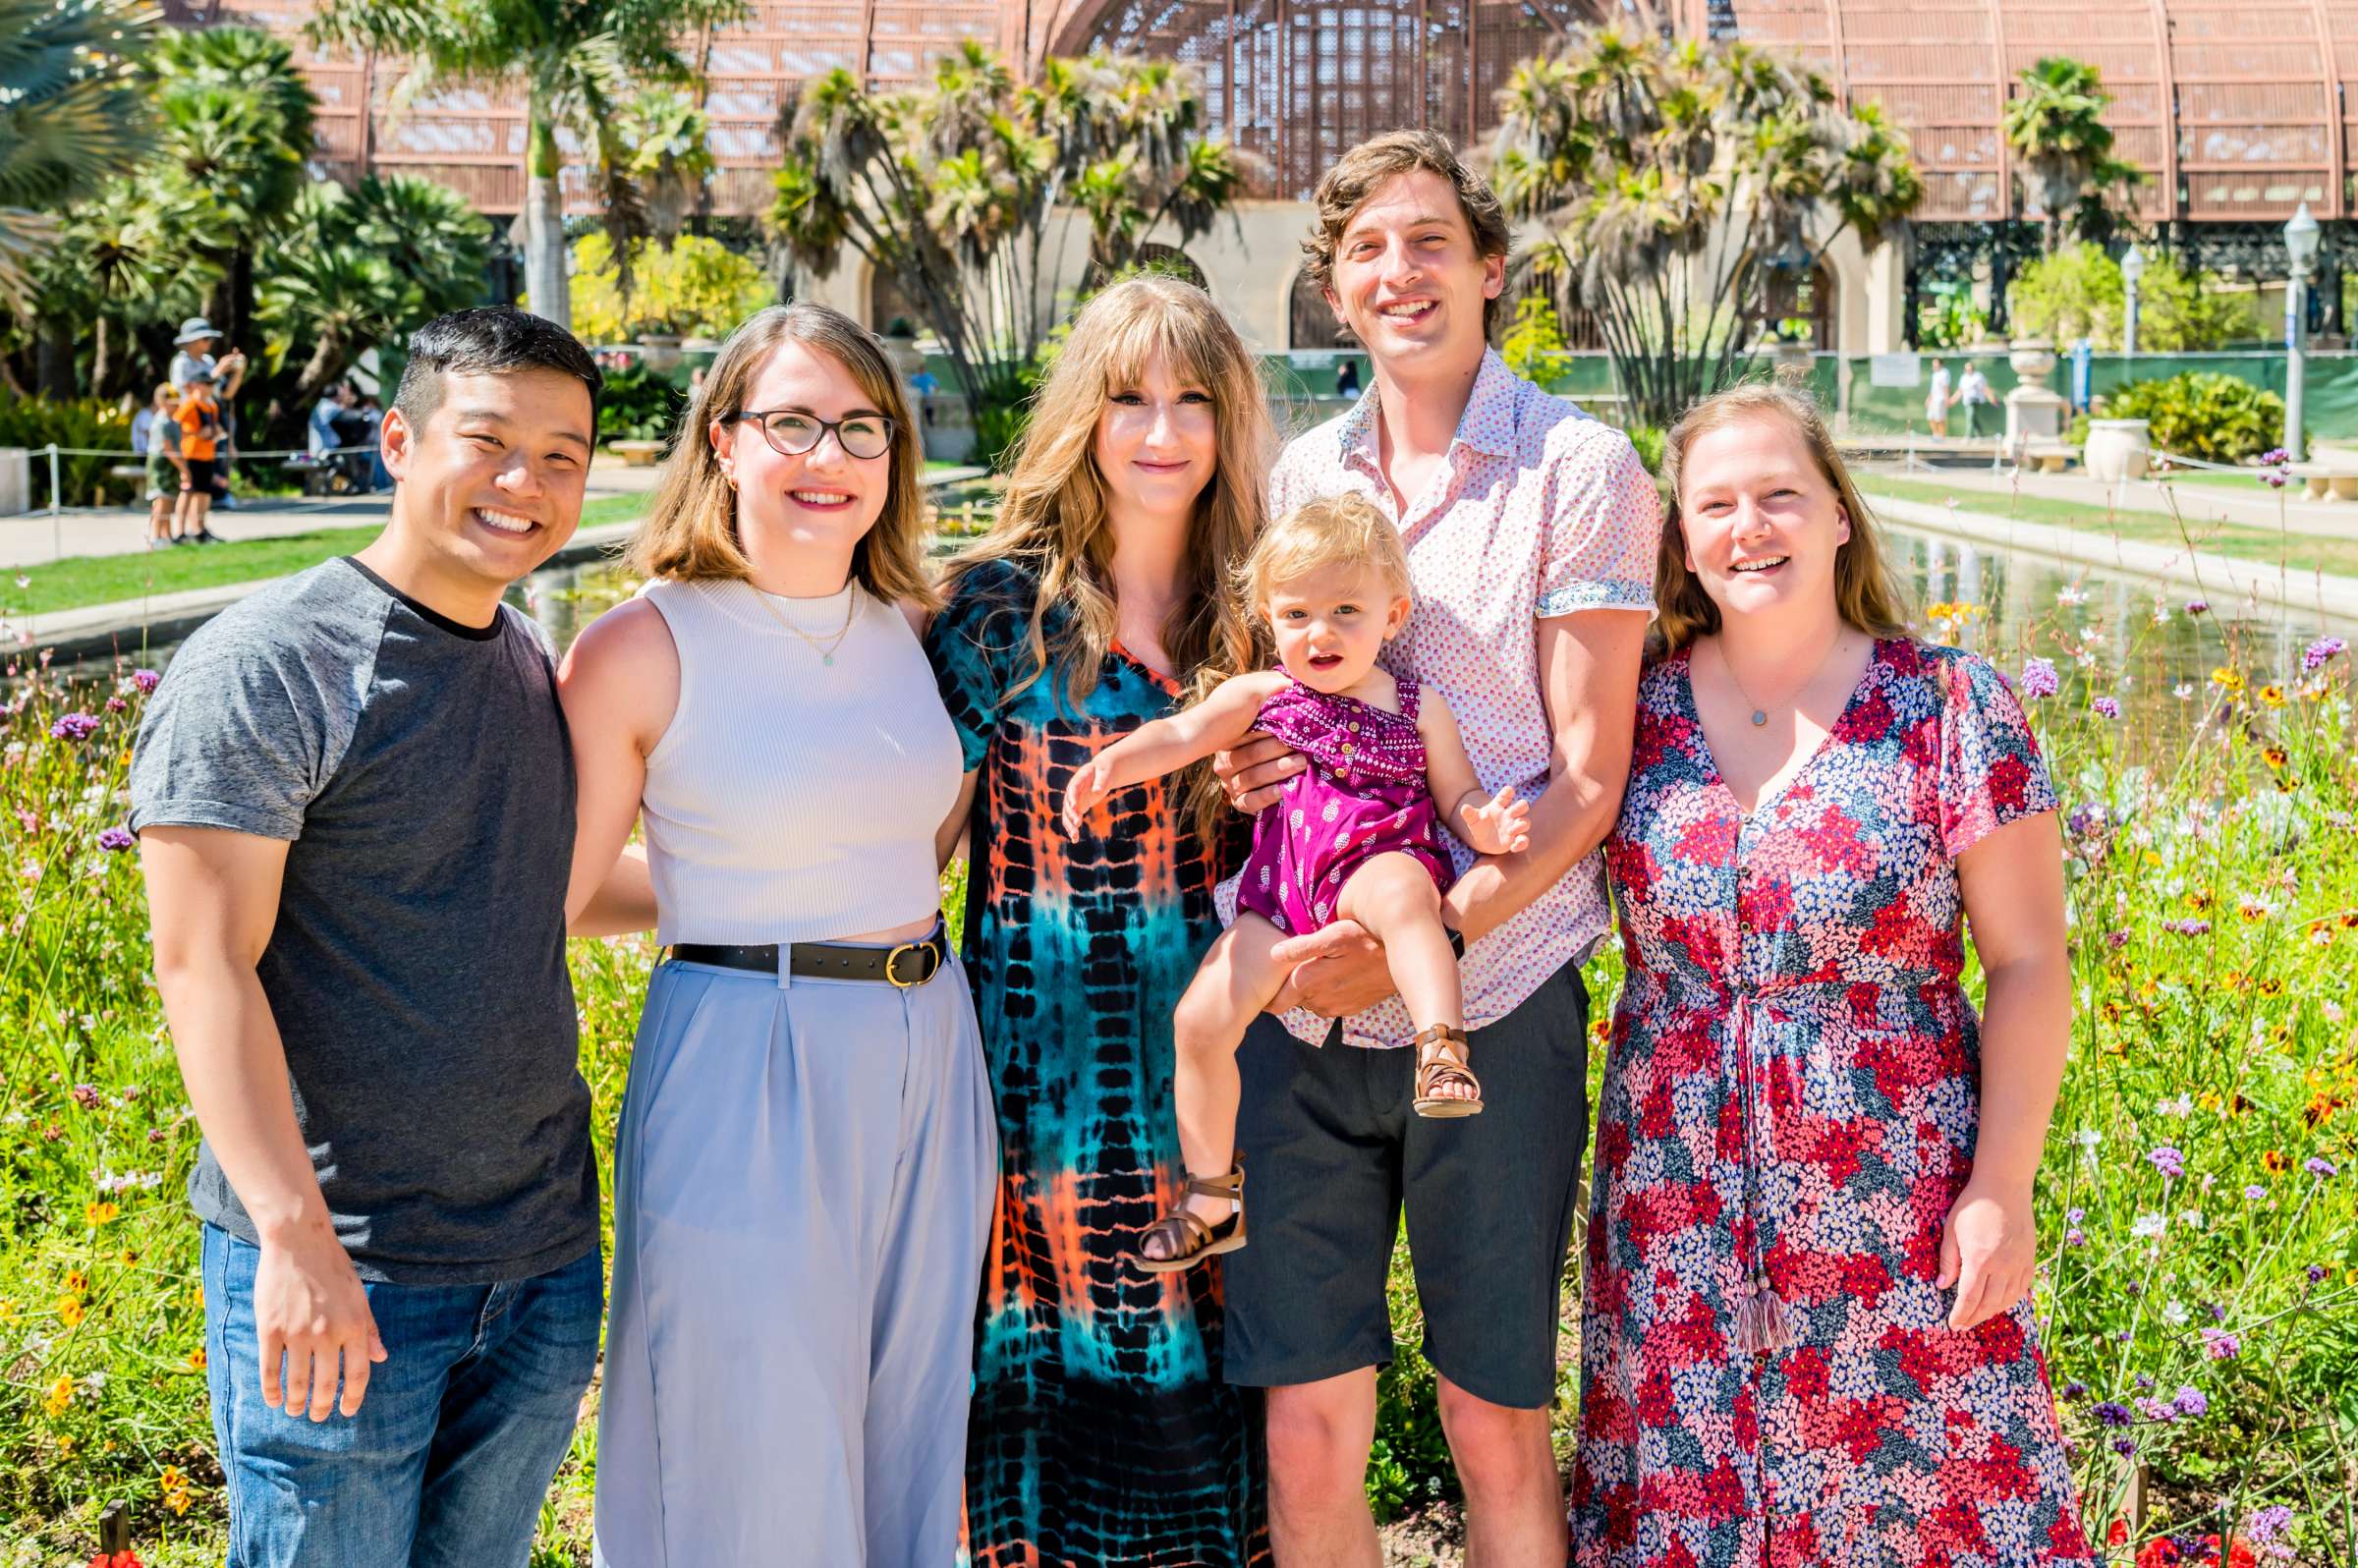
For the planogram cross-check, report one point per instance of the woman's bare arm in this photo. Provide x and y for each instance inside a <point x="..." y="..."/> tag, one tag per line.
<point x="619" y="686"/>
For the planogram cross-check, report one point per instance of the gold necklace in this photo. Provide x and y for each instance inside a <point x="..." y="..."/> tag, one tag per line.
<point x="1760" y="714"/>
<point x="826" y="650"/>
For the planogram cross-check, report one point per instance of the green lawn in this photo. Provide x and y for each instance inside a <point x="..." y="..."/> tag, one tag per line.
<point x="2301" y="553"/>
<point x="80" y="580"/>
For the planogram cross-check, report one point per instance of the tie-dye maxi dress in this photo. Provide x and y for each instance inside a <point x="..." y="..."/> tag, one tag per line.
<point x="1101" y="1432"/>
<point x="1794" y="1089"/>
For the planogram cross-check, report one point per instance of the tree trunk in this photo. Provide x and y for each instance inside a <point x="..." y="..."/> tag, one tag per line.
<point x="99" y="356"/>
<point x="239" y="327"/>
<point x="545" y="228"/>
<point x="56" y="362"/>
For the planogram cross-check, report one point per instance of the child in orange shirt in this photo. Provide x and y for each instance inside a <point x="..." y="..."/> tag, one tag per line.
<point x="200" y="421"/>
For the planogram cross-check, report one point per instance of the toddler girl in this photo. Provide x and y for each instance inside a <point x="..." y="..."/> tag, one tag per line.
<point x="1356" y="836"/>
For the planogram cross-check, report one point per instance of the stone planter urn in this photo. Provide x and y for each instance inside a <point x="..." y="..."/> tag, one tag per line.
<point x="659" y="351"/>
<point x="2033" y="358"/>
<point x="2117" y="449"/>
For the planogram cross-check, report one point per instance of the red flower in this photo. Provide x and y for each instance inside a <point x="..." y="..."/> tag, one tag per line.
<point x="2159" y="1552"/>
<point x="126" y="1558"/>
<point x="2118" y="1535"/>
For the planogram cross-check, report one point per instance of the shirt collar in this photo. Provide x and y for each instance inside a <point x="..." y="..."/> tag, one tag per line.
<point x="1487" y="425"/>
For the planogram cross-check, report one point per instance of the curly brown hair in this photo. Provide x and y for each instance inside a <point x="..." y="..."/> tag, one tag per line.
<point x="1364" y="170"/>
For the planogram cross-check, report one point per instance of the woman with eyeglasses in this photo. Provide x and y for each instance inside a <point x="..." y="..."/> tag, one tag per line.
<point x="802" y="1171"/>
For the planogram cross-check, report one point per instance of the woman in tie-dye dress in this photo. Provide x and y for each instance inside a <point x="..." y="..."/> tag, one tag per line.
<point x="1101" y="1431"/>
<point x="1806" y="1336"/>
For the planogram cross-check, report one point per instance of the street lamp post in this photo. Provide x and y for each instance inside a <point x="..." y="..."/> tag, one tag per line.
<point x="2132" y="267"/>
<point x="2300" y="245"/>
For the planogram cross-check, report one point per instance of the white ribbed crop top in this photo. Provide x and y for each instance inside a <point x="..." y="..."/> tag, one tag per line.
<point x="793" y="800"/>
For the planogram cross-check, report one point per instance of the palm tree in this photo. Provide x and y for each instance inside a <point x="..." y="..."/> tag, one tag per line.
<point x="131" y="255"/>
<point x="2056" y="126"/>
<point x="575" y="62"/>
<point x="436" y="244"/>
<point x="71" y="116"/>
<point x="238" y="125"/>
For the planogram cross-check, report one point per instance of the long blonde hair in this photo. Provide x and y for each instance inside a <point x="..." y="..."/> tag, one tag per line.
<point x="691" y="529"/>
<point x="1865" y="595"/>
<point x="1054" y="524"/>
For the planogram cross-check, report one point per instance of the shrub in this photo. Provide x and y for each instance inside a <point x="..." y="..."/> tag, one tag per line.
<point x="1534" y="345"/>
<point x="2079" y="292"/>
<point x="638" y="404"/>
<point x="2203" y="414"/>
<point x="694" y="287"/>
<point x="91" y="422"/>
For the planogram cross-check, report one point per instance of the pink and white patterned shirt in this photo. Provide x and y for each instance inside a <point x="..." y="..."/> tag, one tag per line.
<point x="1538" y="510"/>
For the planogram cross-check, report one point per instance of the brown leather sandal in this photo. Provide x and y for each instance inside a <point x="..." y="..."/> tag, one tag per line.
<point x="1191" y="1239"/>
<point x="1441" y="1059"/>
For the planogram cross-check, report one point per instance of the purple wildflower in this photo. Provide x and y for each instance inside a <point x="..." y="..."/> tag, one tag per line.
<point x="2110" y="1414"/>
<point x="2191" y="1401"/>
<point x="2116" y="940"/>
<point x="2085" y="817"/>
<point x="2188" y="928"/>
<point x="87" y="1096"/>
<point x="2219" y="1345"/>
<point x="2169" y="1162"/>
<point x="2255" y="1192"/>
<point x="2126" y="1447"/>
<point x="2219" y="1314"/>
<point x="144" y="680"/>
<point x="2316" y="1273"/>
<point x="74" y="727"/>
<point x="2274" y="457"/>
<point x="2107" y="707"/>
<point x="2075" y="1237"/>
<point x="2157" y="1410"/>
<point x="2038" y="678"/>
<point x="2145" y="1379"/>
<point x="2075" y="1391"/>
<point x="2198" y="606"/>
<point x="2314" y="656"/>
<point x="115" y="704"/>
<point x="115" y="838"/>
<point x="2318" y="1167"/>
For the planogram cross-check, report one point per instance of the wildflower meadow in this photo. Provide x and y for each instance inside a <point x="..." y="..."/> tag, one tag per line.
<point x="2198" y="1209"/>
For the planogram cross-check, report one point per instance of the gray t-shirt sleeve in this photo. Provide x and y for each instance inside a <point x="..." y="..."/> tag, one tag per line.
<point x="250" y="724"/>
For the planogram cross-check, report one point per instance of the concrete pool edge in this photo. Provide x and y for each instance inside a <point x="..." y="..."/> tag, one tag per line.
<point x="2223" y="580"/>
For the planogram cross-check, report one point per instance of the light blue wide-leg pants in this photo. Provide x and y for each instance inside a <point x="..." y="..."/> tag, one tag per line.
<point x="804" y="1180"/>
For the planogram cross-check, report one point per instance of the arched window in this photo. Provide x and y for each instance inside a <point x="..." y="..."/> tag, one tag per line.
<point x="1311" y="322"/>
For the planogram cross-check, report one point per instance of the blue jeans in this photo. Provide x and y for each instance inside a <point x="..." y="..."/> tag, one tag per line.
<point x="453" y="1450"/>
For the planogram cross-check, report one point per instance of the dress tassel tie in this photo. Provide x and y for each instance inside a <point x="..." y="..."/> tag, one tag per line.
<point x="1762" y="1326"/>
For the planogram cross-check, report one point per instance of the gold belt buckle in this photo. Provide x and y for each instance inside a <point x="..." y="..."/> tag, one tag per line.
<point x="893" y="959"/>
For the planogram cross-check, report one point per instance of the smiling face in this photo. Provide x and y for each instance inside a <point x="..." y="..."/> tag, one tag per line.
<point x="491" y="479"/>
<point x="1762" y="524"/>
<point x="1409" y="279"/>
<point x="820" y="500"/>
<point x="1157" y="443"/>
<point x="1330" y="623"/>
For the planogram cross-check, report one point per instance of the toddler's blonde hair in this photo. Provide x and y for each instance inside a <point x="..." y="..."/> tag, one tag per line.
<point x="1332" y="531"/>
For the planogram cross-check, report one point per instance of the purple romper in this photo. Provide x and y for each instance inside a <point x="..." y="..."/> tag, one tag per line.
<point x="1363" y="794"/>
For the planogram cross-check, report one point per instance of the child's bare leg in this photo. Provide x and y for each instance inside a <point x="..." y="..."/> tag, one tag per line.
<point x="1394" y="897"/>
<point x="1234" y="984"/>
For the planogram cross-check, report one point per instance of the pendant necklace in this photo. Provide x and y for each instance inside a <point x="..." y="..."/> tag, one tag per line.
<point x="1760" y="715"/>
<point x="826" y="650"/>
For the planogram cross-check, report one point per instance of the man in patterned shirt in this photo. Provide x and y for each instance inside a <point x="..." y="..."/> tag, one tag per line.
<point x="1532" y="531"/>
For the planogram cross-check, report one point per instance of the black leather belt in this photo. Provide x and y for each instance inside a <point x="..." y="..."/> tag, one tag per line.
<point x="911" y="963"/>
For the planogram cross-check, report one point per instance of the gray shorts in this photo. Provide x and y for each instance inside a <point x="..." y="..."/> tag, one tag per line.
<point x="1333" y="1154"/>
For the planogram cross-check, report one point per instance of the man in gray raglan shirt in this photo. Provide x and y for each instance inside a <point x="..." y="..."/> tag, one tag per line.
<point x="354" y="800"/>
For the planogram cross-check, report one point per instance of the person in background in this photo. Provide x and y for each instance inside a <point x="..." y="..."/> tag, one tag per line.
<point x="1936" y="399"/>
<point x="199" y="418"/>
<point x="372" y="437"/>
<point x="322" y="437"/>
<point x="1973" y="390"/>
<point x="1346" y="379"/>
<point x="167" y="470"/>
<point x="196" y="345"/>
<point x="355" y="802"/>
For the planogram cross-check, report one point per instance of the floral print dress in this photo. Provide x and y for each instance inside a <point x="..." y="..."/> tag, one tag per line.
<point x="1792" y="1093"/>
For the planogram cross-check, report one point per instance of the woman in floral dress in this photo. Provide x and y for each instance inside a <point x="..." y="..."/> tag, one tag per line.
<point x="1101" y="1430"/>
<point x="1807" y="1337"/>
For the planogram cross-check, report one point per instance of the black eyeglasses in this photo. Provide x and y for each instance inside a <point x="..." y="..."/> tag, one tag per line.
<point x="793" y="431"/>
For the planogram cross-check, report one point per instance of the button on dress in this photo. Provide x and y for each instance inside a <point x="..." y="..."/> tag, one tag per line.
<point x="1793" y="1092"/>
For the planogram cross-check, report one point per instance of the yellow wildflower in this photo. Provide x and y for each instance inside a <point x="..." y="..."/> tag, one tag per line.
<point x="177" y="1501"/>
<point x="69" y="1310"/>
<point x="78" y="1282"/>
<point x="98" y="1213"/>
<point x="2227" y="679"/>
<point x="2273" y="695"/>
<point x="8" y="1309"/>
<point x="2275" y="757"/>
<point x="65" y="1445"/>
<point x="196" y="1359"/>
<point x="60" y="1395"/>
<point x="172" y="1478"/>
